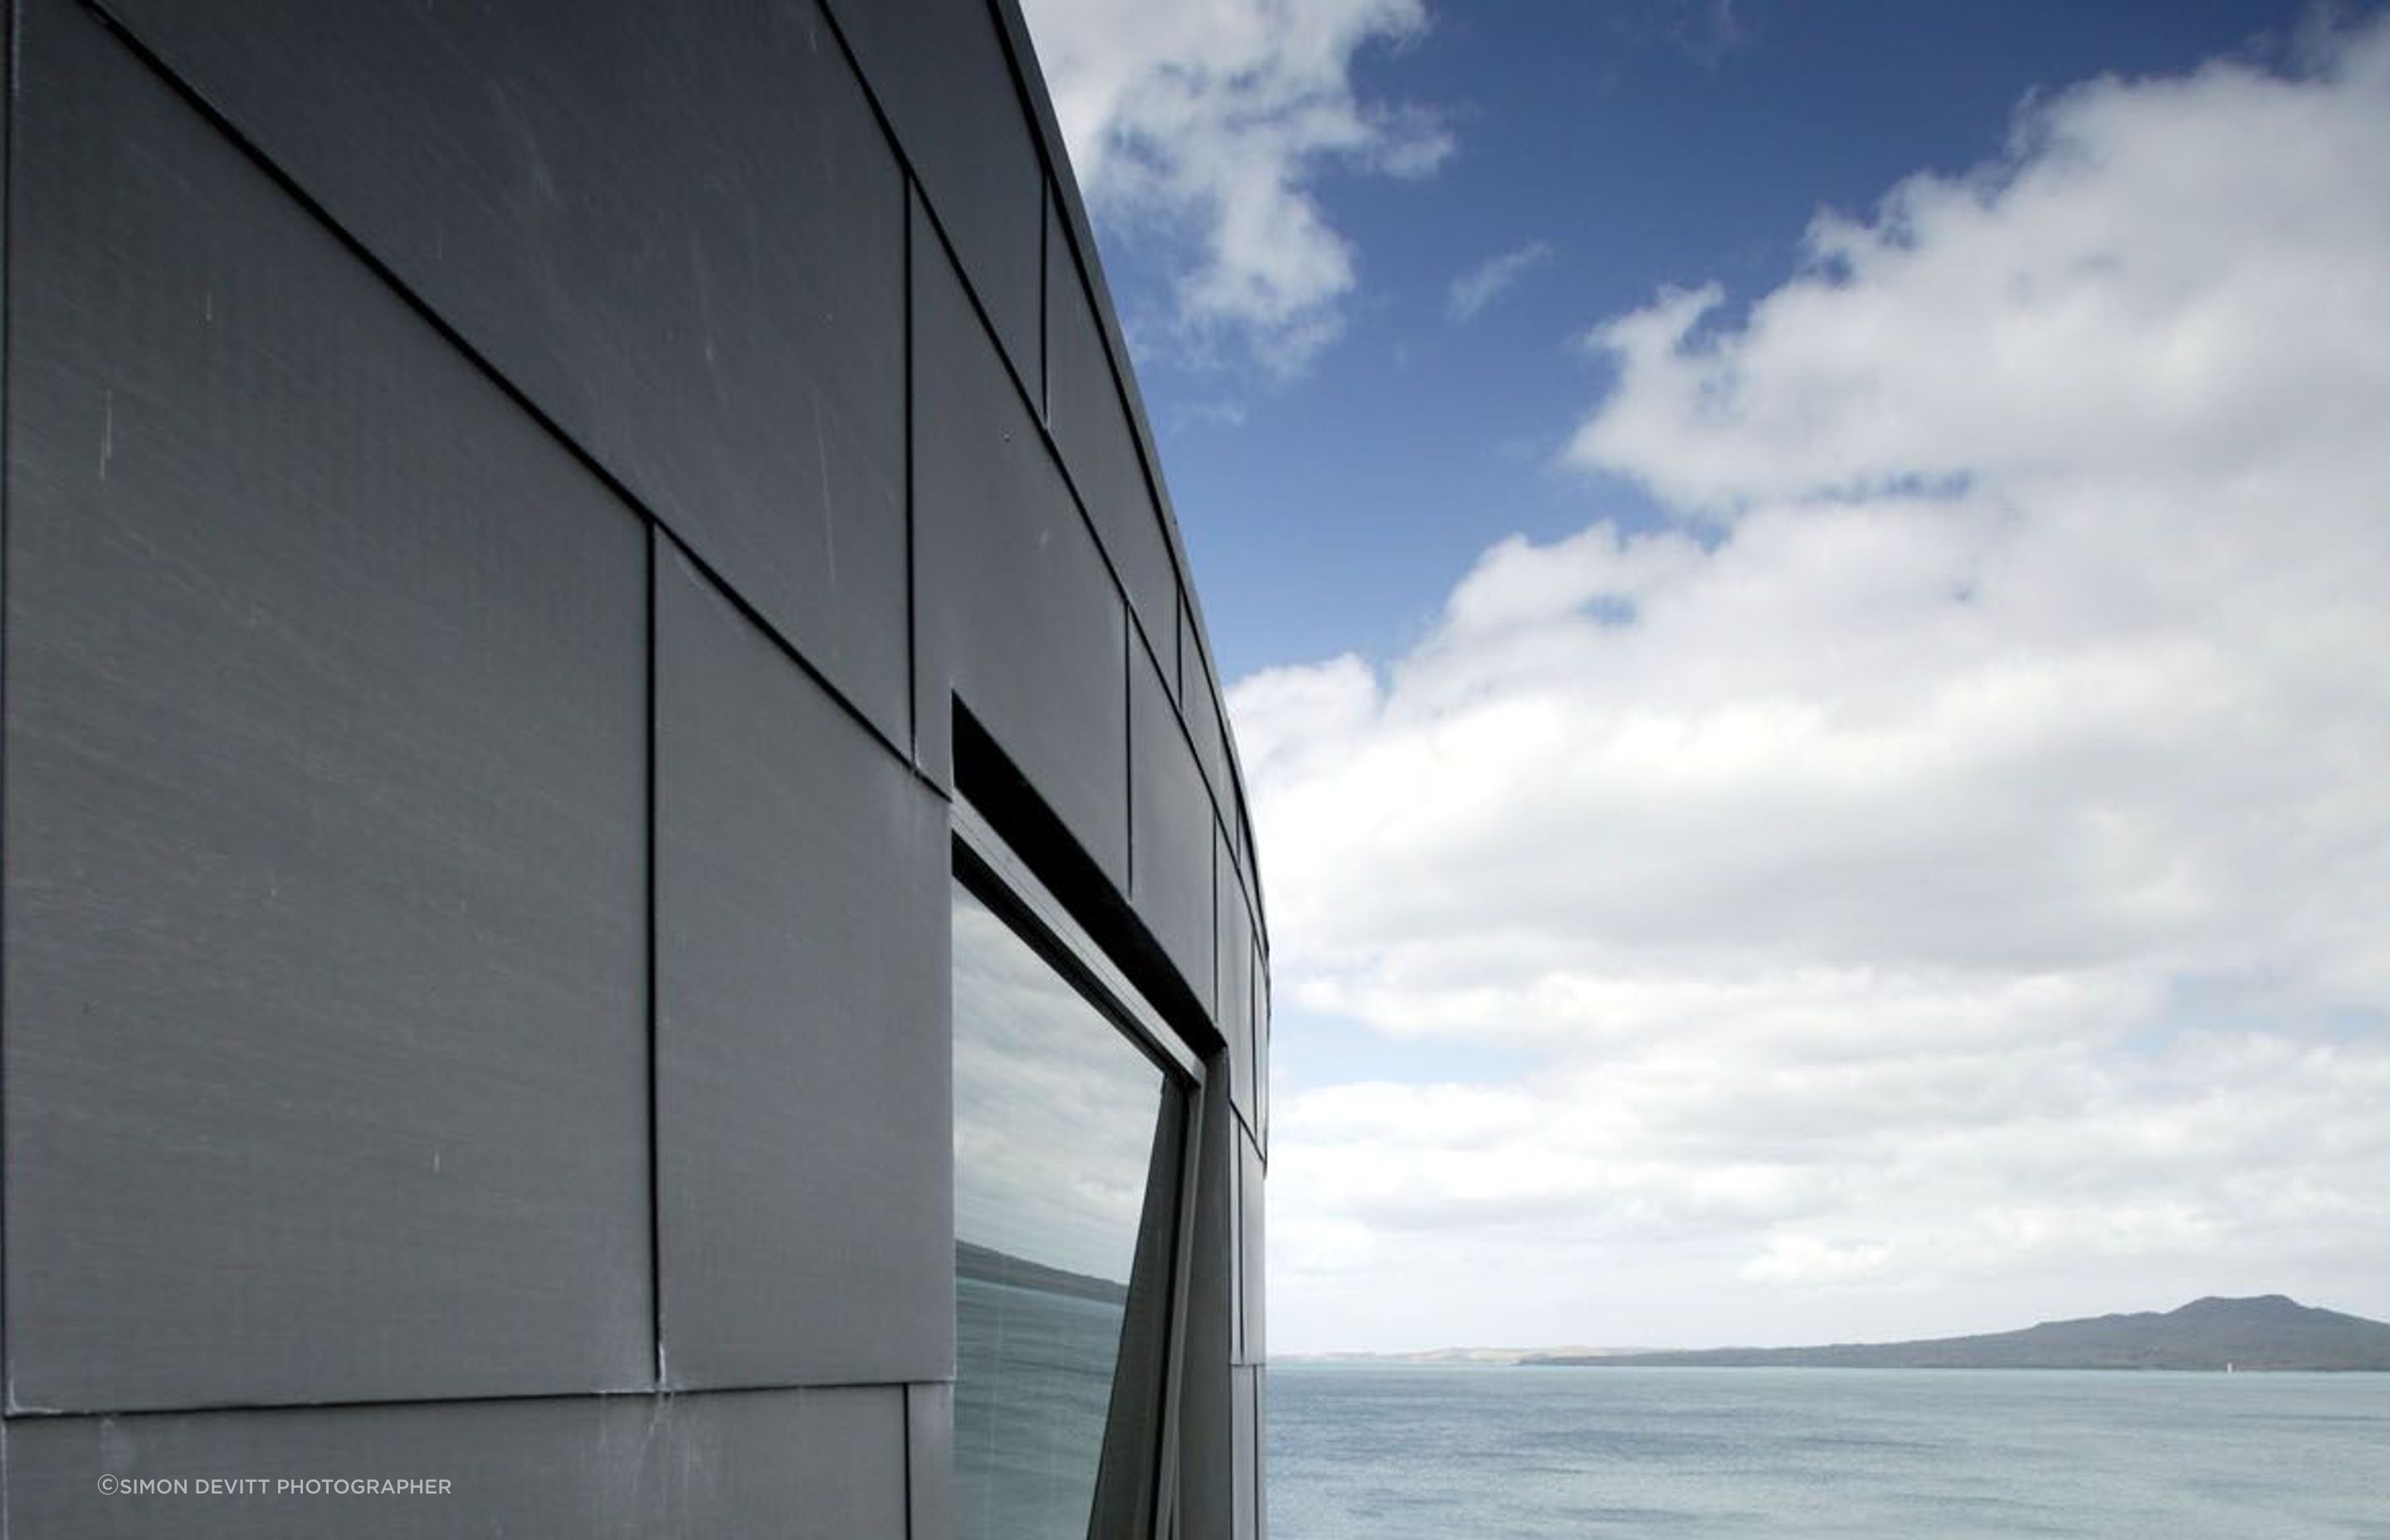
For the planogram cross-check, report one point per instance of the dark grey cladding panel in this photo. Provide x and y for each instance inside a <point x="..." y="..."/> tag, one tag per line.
<point x="1188" y="650"/>
<point x="1171" y="850"/>
<point x="1262" y="1050"/>
<point x="683" y="242"/>
<point x="1203" y="716"/>
<point x="1172" y="649"/>
<point x="1016" y="610"/>
<point x="1261" y="1451"/>
<point x="819" y="1464"/>
<point x="1245" y="1451"/>
<point x="804" y="1059"/>
<point x="1206" y="1419"/>
<point x="326" y="904"/>
<point x="1234" y="927"/>
<point x="1240" y="826"/>
<point x="1091" y="423"/>
<point x="5" y="116"/>
<point x="1251" y="1256"/>
<point x="930" y="1426"/>
<point x="941" y="71"/>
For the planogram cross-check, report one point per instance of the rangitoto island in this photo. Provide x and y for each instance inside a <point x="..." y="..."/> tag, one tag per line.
<point x="2268" y="1331"/>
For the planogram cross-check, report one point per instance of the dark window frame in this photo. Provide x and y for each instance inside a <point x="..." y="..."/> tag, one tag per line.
<point x="992" y="872"/>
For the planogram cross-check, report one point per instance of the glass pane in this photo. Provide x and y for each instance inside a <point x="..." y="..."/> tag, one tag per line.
<point x="1066" y="1140"/>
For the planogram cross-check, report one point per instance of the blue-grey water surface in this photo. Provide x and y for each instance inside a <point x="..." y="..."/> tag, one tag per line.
<point x="1034" y="1372"/>
<point x="1373" y="1453"/>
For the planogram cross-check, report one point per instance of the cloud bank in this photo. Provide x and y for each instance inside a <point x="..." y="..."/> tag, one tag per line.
<point x="1219" y="113"/>
<point x="1949" y="861"/>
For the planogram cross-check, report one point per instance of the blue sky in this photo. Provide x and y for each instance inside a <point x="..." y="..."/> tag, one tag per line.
<point x="1641" y="146"/>
<point x="1779" y="807"/>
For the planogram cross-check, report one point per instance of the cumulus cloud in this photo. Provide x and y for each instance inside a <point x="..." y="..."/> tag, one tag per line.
<point x="1485" y="283"/>
<point x="1220" y="114"/>
<point x="1947" y="861"/>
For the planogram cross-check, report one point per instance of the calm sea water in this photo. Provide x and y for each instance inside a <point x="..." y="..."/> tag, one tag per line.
<point x="1486" y="1454"/>
<point x="1034" y="1374"/>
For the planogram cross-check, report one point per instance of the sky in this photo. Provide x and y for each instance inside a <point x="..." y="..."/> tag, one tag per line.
<point x="1055" y="1113"/>
<point x="1803" y="597"/>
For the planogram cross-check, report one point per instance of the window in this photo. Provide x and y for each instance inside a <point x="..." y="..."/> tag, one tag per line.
<point x="1069" y="1163"/>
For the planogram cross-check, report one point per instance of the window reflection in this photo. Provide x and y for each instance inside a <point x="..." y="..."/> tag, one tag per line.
<point x="1066" y="1158"/>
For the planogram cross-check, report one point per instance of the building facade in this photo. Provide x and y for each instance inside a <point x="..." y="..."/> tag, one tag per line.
<point x="629" y="909"/>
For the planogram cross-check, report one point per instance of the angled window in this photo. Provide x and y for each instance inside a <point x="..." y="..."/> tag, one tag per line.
<point x="1070" y="1162"/>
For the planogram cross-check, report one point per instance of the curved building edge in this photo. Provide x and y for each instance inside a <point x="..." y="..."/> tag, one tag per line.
<point x="533" y="537"/>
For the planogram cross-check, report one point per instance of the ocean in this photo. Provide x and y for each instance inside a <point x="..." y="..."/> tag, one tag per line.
<point x="1383" y="1453"/>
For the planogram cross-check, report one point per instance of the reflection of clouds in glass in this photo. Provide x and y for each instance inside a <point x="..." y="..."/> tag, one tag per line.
<point x="1054" y="1108"/>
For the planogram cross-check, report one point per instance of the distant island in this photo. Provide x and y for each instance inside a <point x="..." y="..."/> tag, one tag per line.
<point x="975" y="1264"/>
<point x="2270" y="1331"/>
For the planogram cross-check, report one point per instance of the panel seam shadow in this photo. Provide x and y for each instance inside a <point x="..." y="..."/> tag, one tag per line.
<point x="8" y="352"/>
<point x="912" y="1504"/>
<point x="623" y="1395"/>
<point x="655" y="999"/>
<point x="912" y="515"/>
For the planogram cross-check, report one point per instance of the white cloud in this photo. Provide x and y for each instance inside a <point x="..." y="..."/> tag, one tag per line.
<point x="1485" y="283"/>
<point x="2175" y="262"/>
<point x="1220" y="112"/>
<point x="1939" y="882"/>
